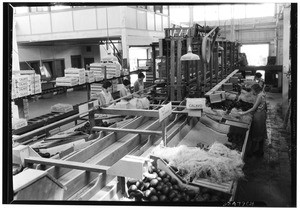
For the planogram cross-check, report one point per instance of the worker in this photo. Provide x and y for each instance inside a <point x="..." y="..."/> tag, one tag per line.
<point x="258" y="130"/>
<point x="125" y="91"/>
<point x="259" y="80"/>
<point x="242" y="61"/>
<point x="139" y="86"/>
<point x="105" y="95"/>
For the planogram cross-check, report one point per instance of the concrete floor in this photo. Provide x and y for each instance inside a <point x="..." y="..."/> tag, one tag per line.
<point x="43" y="105"/>
<point x="267" y="179"/>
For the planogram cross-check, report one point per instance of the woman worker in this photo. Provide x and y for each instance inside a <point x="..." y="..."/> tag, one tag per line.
<point x="105" y="95"/>
<point x="259" y="80"/>
<point x="139" y="85"/>
<point x="125" y="91"/>
<point x="258" y="130"/>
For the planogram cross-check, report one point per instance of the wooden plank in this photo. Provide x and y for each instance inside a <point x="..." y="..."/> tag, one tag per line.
<point x="146" y="132"/>
<point x="92" y="150"/>
<point x="222" y="187"/>
<point x="222" y="61"/>
<point x="225" y="58"/>
<point x="216" y="64"/>
<point x="245" y="144"/>
<point x="172" y="70"/>
<point x="78" y="179"/>
<point x="67" y="164"/>
<point x="131" y="112"/>
<point x="219" y="85"/>
<point x="179" y="78"/>
<point x="211" y="70"/>
<point x="237" y="124"/>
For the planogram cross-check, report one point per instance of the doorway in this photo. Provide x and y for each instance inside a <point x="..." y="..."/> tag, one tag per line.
<point x="76" y="61"/>
<point x="88" y="61"/>
<point x="257" y="54"/>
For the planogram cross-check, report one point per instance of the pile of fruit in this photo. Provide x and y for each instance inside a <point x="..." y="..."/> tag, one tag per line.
<point x="158" y="186"/>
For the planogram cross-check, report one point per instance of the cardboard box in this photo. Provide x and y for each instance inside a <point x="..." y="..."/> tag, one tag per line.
<point x="227" y="86"/>
<point x="234" y="80"/>
<point x="217" y="96"/>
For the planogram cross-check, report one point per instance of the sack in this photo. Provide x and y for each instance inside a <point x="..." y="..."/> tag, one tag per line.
<point x="142" y="103"/>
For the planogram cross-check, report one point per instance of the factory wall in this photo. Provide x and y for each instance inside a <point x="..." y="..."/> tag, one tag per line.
<point x="36" y="53"/>
<point x="88" y="22"/>
<point x="253" y="31"/>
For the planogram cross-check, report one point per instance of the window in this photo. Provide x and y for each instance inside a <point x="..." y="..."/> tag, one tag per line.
<point x="59" y="7"/>
<point x="21" y="10"/>
<point x="158" y="9"/>
<point x="142" y="7"/>
<point x="39" y="9"/>
<point x="166" y="10"/>
<point x="150" y="8"/>
<point x="88" y="48"/>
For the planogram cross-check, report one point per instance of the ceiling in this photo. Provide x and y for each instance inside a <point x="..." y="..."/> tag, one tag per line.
<point x="89" y="41"/>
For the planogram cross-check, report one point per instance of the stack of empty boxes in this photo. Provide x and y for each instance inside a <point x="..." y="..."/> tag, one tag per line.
<point x="98" y="71"/>
<point x="35" y="85"/>
<point x="89" y="77"/>
<point x="96" y="88"/>
<point x="20" y="86"/>
<point x="112" y="70"/>
<point x="66" y="81"/>
<point x="76" y="73"/>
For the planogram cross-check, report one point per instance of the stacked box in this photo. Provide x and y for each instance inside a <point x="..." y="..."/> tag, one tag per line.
<point x="14" y="90"/>
<point x="18" y="123"/>
<point x="23" y="91"/>
<point x="22" y="85"/>
<point x="89" y="77"/>
<point x="96" y="88"/>
<point x="112" y="70"/>
<point x="77" y="73"/>
<point x="61" y="108"/>
<point x="227" y="86"/>
<point x="98" y="71"/>
<point x="234" y="80"/>
<point x="35" y="85"/>
<point x="67" y="81"/>
<point x="217" y="96"/>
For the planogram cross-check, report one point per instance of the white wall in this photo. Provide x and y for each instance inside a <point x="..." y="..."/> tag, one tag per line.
<point x="34" y="53"/>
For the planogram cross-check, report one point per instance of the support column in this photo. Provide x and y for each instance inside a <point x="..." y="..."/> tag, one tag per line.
<point x="286" y="56"/>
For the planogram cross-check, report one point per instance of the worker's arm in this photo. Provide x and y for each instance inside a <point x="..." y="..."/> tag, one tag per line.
<point x="101" y="99"/>
<point x="122" y="93"/>
<point x="136" y="88"/>
<point x="257" y="102"/>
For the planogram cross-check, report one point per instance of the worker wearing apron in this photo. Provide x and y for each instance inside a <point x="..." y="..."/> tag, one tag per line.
<point x="105" y="95"/>
<point x="139" y="85"/>
<point x="258" y="130"/>
<point x="125" y="91"/>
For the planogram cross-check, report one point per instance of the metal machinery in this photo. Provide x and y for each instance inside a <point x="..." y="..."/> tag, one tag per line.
<point x="218" y="58"/>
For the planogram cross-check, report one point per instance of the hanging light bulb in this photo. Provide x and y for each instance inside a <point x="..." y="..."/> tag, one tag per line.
<point x="189" y="56"/>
